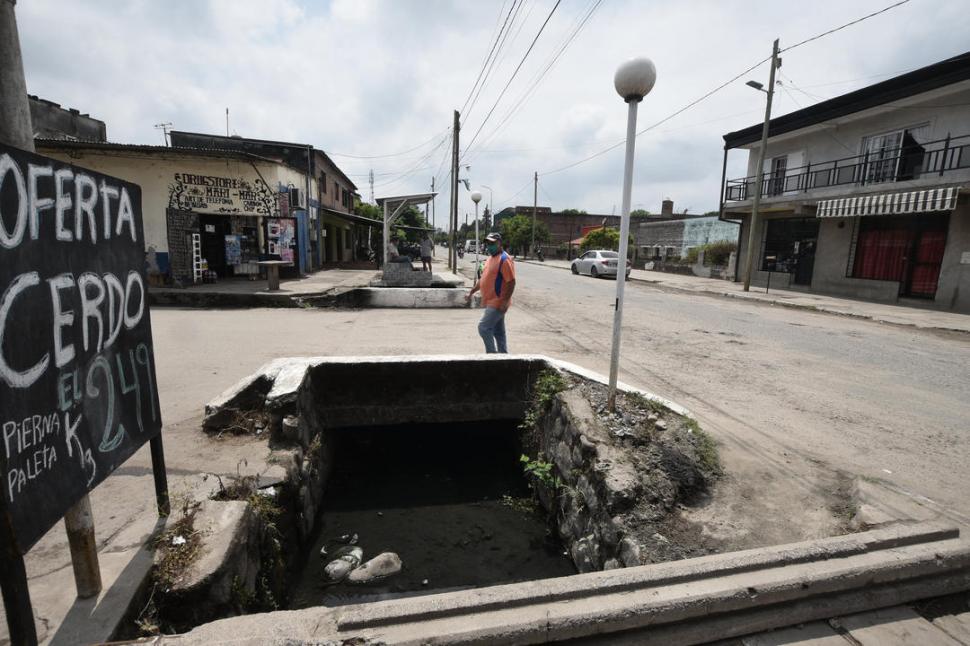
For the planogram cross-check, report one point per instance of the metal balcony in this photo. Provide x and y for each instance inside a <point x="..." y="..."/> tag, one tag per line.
<point x="905" y="163"/>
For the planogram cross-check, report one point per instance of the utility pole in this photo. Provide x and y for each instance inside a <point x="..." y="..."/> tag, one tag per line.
<point x="760" y="173"/>
<point x="453" y="251"/>
<point x="433" y="200"/>
<point x="16" y="131"/>
<point x="370" y="177"/>
<point x="535" y="208"/>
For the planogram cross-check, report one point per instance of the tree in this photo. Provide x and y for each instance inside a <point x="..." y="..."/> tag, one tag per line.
<point x="517" y="233"/>
<point x="371" y="211"/>
<point x="639" y="213"/>
<point x="573" y="212"/>
<point x="603" y="239"/>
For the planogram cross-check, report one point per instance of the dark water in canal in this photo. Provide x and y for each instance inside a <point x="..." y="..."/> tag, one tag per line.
<point x="434" y="495"/>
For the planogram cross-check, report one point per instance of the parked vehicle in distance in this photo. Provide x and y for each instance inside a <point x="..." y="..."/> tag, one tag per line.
<point x="598" y="262"/>
<point x="471" y="246"/>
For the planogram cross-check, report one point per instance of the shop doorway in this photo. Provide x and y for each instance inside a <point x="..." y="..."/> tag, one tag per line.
<point x="908" y="249"/>
<point x="789" y="246"/>
<point x="213" y="230"/>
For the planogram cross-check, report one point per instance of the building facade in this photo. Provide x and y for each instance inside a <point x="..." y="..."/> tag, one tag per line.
<point x="864" y="194"/>
<point x="331" y="196"/>
<point x="203" y="209"/>
<point x="51" y="121"/>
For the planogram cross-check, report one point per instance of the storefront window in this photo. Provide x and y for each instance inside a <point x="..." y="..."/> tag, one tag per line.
<point x="787" y="241"/>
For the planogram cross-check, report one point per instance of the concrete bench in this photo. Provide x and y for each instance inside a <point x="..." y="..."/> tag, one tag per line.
<point x="402" y="274"/>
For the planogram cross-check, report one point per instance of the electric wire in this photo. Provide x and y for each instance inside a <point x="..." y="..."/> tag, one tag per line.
<point x="489" y="57"/>
<point x="539" y="76"/>
<point x="514" y="73"/>
<point x="723" y="85"/>
<point x="516" y="6"/>
<point x="403" y="152"/>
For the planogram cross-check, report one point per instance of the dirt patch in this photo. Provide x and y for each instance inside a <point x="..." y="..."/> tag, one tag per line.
<point x="679" y="465"/>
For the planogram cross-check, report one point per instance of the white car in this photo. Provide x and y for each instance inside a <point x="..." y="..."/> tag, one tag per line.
<point x="471" y="246"/>
<point x="598" y="262"/>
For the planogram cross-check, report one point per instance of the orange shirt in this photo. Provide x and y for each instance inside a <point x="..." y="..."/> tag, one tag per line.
<point x="499" y="271"/>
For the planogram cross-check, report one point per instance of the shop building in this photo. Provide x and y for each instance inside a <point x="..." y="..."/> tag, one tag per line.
<point x="331" y="192"/>
<point x="204" y="209"/>
<point x="865" y="194"/>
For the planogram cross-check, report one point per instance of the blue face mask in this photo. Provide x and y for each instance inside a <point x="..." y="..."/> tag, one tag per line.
<point x="491" y="248"/>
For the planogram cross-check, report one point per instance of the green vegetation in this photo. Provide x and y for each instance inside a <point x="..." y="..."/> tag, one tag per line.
<point x="573" y="212"/>
<point x="603" y="239"/>
<point x="548" y="384"/>
<point x="643" y="402"/>
<point x="517" y="233"/>
<point x="705" y="446"/>
<point x="541" y="472"/>
<point x="716" y="254"/>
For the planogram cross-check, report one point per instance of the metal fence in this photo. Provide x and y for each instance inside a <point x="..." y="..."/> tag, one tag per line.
<point x="889" y="165"/>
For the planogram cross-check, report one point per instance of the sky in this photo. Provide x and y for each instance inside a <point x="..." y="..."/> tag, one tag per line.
<point x="374" y="83"/>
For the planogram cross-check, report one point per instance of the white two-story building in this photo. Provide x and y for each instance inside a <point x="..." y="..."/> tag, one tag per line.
<point x="866" y="195"/>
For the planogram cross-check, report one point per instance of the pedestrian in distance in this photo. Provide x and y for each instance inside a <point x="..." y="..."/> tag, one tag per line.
<point x="427" y="247"/>
<point x="496" y="285"/>
<point x="393" y="255"/>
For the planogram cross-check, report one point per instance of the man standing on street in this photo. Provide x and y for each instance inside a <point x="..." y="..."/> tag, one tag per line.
<point x="426" y="248"/>
<point x="496" y="284"/>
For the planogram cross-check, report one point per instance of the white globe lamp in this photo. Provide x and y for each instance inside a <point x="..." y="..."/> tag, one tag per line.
<point x="635" y="78"/>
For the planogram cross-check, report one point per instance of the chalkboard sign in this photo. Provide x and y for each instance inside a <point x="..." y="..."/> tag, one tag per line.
<point x="78" y="394"/>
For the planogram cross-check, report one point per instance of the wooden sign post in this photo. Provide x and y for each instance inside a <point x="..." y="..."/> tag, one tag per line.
<point x="78" y="393"/>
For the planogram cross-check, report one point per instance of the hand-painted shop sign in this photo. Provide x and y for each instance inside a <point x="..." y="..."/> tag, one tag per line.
<point x="78" y="393"/>
<point x="214" y="194"/>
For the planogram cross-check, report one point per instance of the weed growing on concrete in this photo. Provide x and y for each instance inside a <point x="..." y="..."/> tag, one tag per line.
<point x="541" y="472"/>
<point x="548" y="384"/>
<point x="645" y="403"/>
<point x="705" y="446"/>
<point x="179" y="547"/>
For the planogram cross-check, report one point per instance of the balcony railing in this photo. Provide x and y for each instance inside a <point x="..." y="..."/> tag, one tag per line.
<point x="888" y="165"/>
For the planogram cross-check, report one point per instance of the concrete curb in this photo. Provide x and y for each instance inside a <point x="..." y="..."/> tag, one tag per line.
<point x="694" y="601"/>
<point x="771" y="302"/>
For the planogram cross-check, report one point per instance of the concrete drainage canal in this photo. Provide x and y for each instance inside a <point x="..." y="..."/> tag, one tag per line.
<point x="374" y="479"/>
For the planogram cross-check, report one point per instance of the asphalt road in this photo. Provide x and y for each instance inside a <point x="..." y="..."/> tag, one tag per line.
<point x="882" y="401"/>
<point x="780" y="387"/>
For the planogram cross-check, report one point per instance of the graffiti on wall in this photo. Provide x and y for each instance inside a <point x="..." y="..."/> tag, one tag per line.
<point x="214" y="194"/>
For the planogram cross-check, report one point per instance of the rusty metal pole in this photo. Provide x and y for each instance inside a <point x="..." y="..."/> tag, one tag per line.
<point x="16" y="130"/>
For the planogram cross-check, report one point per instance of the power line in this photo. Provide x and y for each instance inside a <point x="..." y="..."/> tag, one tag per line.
<point x="403" y="152"/>
<point x="664" y="120"/>
<point x="723" y="85"/>
<point x="514" y="73"/>
<point x="540" y="75"/>
<point x="841" y="27"/>
<point x="491" y="65"/>
<point x="489" y="57"/>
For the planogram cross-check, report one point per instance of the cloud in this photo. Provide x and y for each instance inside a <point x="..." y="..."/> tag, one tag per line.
<point x="370" y="77"/>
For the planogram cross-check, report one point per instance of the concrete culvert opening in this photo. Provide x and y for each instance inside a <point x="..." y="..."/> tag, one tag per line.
<point x="450" y="501"/>
<point x="448" y="473"/>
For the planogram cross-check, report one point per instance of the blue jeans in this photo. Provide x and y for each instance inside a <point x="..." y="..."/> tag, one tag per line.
<point x="492" y="330"/>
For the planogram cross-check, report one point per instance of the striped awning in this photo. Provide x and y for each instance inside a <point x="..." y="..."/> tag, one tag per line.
<point x="937" y="199"/>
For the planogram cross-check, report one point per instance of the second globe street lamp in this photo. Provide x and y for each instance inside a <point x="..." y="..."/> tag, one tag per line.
<point x="633" y="80"/>
<point x="476" y="198"/>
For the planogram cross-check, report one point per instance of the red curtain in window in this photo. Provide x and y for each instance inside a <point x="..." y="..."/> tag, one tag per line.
<point x="880" y="253"/>
<point x="929" y="257"/>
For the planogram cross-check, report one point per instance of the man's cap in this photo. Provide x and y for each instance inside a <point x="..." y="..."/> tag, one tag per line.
<point x="493" y="237"/>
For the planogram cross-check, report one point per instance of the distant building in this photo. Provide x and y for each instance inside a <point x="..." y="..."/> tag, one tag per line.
<point x="51" y="121"/>
<point x="672" y="235"/>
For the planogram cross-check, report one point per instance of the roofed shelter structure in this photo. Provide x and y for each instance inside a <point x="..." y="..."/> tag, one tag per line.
<point x="394" y="208"/>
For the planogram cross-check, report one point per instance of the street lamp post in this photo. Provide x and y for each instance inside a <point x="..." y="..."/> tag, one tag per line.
<point x="476" y="198"/>
<point x="489" y="202"/>
<point x="633" y="80"/>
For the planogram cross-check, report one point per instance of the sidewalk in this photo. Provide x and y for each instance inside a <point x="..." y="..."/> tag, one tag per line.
<point x="254" y="293"/>
<point x="884" y="313"/>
